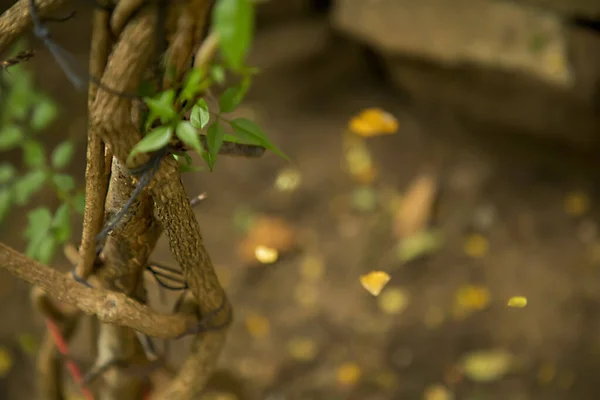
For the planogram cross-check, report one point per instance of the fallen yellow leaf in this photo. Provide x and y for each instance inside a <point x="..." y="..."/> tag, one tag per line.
<point x="418" y="245"/>
<point x="373" y="122"/>
<point x="257" y="325"/>
<point x="438" y="392"/>
<point x="577" y="204"/>
<point x="374" y="281"/>
<point x="267" y="234"/>
<point x="476" y="246"/>
<point x="517" y="301"/>
<point x="306" y="295"/>
<point x="487" y="366"/>
<point x="348" y="374"/>
<point x="302" y="349"/>
<point x="266" y="255"/>
<point x="6" y="361"/>
<point x="393" y="301"/>
<point x="416" y="207"/>
<point x="471" y="297"/>
<point x="288" y="180"/>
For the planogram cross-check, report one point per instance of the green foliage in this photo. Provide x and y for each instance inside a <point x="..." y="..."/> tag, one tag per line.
<point x="200" y="114"/>
<point x="233" y="23"/>
<point x="233" y="20"/>
<point x="26" y="111"/>
<point x="62" y="154"/>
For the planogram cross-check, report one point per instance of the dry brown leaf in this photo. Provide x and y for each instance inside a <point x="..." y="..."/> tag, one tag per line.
<point x="417" y="203"/>
<point x="272" y="233"/>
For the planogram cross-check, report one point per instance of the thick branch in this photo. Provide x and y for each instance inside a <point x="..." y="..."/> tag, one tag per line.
<point x="16" y="20"/>
<point x="109" y="307"/>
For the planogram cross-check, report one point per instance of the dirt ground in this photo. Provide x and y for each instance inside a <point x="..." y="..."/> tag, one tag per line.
<point x="308" y="335"/>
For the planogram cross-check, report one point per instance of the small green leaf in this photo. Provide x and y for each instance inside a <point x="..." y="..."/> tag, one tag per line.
<point x="217" y="72"/>
<point x="214" y="140"/>
<point x="63" y="182"/>
<point x="34" y="154"/>
<point x="189" y="135"/>
<point x="162" y="107"/>
<point x="251" y="132"/>
<point x="231" y="98"/>
<point x="200" y="115"/>
<point x="29" y="184"/>
<point x="44" y="113"/>
<point x="10" y="136"/>
<point x="46" y="250"/>
<point x="5" y="202"/>
<point x="62" y="154"/>
<point x="61" y="223"/>
<point x="7" y="172"/>
<point x="193" y="84"/>
<point x="79" y="203"/>
<point x="156" y="139"/>
<point x="233" y="20"/>
<point x="38" y="227"/>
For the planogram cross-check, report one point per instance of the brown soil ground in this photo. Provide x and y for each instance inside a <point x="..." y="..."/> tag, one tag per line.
<point x="535" y="248"/>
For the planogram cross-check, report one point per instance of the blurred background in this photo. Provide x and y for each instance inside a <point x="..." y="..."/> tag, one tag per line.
<point x="451" y="145"/>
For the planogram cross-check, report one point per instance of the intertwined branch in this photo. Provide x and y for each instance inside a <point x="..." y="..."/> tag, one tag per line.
<point x="117" y="295"/>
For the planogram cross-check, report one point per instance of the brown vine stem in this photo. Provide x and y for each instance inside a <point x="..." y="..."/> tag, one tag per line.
<point x="109" y="307"/>
<point x="16" y="20"/>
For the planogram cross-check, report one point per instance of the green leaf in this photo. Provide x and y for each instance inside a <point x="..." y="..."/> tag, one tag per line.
<point x="38" y="227"/>
<point x="29" y="184"/>
<point x="251" y="132"/>
<point x="193" y="84"/>
<point x="63" y="182"/>
<point x="5" y="202"/>
<point x="156" y="139"/>
<point x="214" y="140"/>
<point x="44" y="113"/>
<point x="7" y="172"/>
<point x="46" y="250"/>
<point x="232" y="97"/>
<point x="61" y="223"/>
<point x="10" y="136"/>
<point x="62" y="154"/>
<point x="233" y="20"/>
<point x="162" y="107"/>
<point x="217" y="72"/>
<point x="34" y="154"/>
<point x="189" y="135"/>
<point x="200" y="115"/>
<point x="79" y="203"/>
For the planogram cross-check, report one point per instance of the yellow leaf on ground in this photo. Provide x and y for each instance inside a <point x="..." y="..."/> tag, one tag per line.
<point x="266" y="255"/>
<point x="393" y="301"/>
<point x="288" y="180"/>
<point x="472" y="298"/>
<point x="28" y="343"/>
<point x="487" y="365"/>
<point x="517" y="301"/>
<point x="306" y="294"/>
<point x="6" y="361"/>
<point x="257" y="325"/>
<point x="373" y="122"/>
<point x="476" y="246"/>
<point x="417" y="204"/>
<point x="438" y="392"/>
<point x="348" y="374"/>
<point x="302" y="349"/>
<point x="418" y="245"/>
<point x="374" y="281"/>
<point x="268" y="233"/>
<point x="312" y="267"/>
<point x="577" y="204"/>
